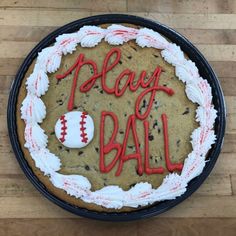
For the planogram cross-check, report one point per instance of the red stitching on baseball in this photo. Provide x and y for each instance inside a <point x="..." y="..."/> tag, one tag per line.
<point x="82" y="127"/>
<point x="63" y="128"/>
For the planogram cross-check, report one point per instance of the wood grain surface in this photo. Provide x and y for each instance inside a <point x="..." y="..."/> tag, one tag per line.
<point x="211" y="26"/>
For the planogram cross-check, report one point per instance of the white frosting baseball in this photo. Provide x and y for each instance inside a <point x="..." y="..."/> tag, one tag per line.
<point x="33" y="112"/>
<point x="75" y="129"/>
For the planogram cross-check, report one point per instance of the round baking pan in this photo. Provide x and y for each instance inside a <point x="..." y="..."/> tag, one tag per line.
<point x="205" y="71"/>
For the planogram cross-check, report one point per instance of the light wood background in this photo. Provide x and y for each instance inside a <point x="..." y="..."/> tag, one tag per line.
<point x="211" y="26"/>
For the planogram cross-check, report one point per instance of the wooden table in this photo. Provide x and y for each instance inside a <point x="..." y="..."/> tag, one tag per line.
<point x="211" y="26"/>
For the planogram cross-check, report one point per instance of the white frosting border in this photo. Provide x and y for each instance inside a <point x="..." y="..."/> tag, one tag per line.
<point x="33" y="111"/>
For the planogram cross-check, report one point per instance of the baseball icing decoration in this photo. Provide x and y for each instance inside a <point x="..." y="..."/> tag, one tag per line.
<point x="33" y="112"/>
<point x="75" y="129"/>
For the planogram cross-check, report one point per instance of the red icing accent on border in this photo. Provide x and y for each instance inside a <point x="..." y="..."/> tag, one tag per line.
<point x="82" y="127"/>
<point x="63" y="128"/>
<point x="171" y="167"/>
<point x="30" y="108"/>
<point x="148" y="170"/>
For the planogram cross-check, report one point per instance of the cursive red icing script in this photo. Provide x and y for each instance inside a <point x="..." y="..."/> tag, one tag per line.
<point x="151" y="85"/>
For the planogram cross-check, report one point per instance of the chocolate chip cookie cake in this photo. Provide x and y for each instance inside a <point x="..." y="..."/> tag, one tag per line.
<point x="115" y="117"/>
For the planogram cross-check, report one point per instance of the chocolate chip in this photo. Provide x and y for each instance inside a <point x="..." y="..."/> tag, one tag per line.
<point x="60" y="102"/>
<point x="80" y="153"/>
<point x="161" y="157"/>
<point x="151" y="157"/>
<point x="58" y="81"/>
<point x="155" y="55"/>
<point x="155" y="124"/>
<point x="125" y="114"/>
<point x="132" y="185"/>
<point x="121" y="132"/>
<point x="97" y="149"/>
<point x="68" y="150"/>
<point x="130" y="146"/>
<point x="156" y="160"/>
<point x="164" y="85"/>
<point x="159" y="130"/>
<point x="129" y="57"/>
<point x="178" y="142"/>
<point x="157" y="104"/>
<point x="120" y="62"/>
<point x="144" y="103"/>
<point x="75" y="107"/>
<point x="186" y="111"/>
<point x="52" y="133"/>
<point x="150" y="137"/>
<point x="87" y="167"/>
<point x="60" y="147"/>
<point x="96" y="86"/>
<point x="101" y="91"/>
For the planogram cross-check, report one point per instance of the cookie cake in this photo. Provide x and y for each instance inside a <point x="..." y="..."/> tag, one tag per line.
<point x="115" y="117"/>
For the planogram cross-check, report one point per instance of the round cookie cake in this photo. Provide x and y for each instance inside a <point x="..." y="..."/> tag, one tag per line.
<point x="115" y="117"/>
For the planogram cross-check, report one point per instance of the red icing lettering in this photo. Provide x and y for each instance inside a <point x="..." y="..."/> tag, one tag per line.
<point x="171" y="167"/>
<point x="77" y="66"/>
<point x="148" y="170"/>
<point x="152" y="90"/>
<point x="127" y="75"/>
<point x="121" y="148"/>
<point x="137" y="155"/>
<point x="86" y="86"/>
<point x="104" y="149"/>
